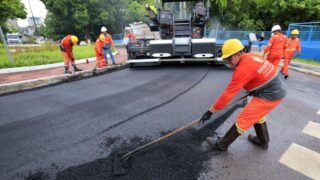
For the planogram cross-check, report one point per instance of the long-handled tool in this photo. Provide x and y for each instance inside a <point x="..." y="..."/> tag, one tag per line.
<point x="120" y="166"/>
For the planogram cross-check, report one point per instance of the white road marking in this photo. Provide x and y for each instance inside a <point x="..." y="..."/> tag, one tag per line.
<point x="318" y="112"/>
<point x="312" y="129"/>
<point x="303" y="160"/>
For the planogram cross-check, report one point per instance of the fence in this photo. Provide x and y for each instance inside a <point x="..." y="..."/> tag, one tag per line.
<point x="309" y="35"/>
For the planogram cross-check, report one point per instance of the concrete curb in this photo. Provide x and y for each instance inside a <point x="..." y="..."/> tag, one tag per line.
<point x="304" y="68"/>
<point x="305" y="71"/>
<point x="45" y="81"/>
<point x="45" y="66"/>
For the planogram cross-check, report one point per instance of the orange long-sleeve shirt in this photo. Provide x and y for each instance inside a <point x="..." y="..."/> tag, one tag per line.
<point x="276" y="45"/>
<point x="98" y="47"/>
<point x="292" y="45"/>
<point x="67" y="45"/>
<point x="251" y="72"/>
<point x="108" y="40"/>
<point x="130" y="36"/>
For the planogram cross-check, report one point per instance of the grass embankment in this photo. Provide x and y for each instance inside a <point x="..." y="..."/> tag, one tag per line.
<point x="305" y="61"/>
<point x="39" y="55"/>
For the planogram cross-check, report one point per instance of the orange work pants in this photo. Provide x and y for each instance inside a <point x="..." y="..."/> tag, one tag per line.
<point x="274" y="59"/>
<point x="253" y="112"/>
<point x="286" y="63"/>
<point x="66" y="59"/>
<point x="100" y="60"/>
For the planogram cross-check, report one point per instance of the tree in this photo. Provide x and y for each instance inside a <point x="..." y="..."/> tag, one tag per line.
<point x="86" y="17"/>
<point x="11" y="9"/>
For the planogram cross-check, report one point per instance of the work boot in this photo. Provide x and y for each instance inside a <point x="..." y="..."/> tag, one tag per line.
<point x="66" y="70"/>
<point x="76" y="68"/>
<point x="262" y="139"/>
<point x="222" y="144"/>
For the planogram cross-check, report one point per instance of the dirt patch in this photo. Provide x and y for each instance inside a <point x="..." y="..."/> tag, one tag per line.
<point x="180" y="157"/>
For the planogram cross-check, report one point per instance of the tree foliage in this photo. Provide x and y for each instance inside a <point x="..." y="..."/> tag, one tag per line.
<point x="85" y="17"/>
<point x="263" y="14"/>
<point x="11" y="9"/>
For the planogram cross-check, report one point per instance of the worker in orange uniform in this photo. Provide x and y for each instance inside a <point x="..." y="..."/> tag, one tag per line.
<point x="129" y="37"/>
<point x="259" y="77"/>
<point x="275" y="48"/>
<point x="292" y="45"/>
<point x="108" y="45"/>
<point x="98" y="48"/>
<point x="66" y="47"/>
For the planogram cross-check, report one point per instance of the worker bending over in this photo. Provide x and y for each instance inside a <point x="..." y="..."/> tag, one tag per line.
<point x="258" y="76"/>
<point x="66" y="47"/>
<point x="275" y="48"/>
<point x="98" y="48"/>
<point x="292" y="45"/>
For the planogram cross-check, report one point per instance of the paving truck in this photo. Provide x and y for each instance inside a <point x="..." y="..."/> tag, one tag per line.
<point x="182" y="26"/>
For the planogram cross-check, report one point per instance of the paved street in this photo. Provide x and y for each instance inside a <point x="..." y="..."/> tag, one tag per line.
<point x="64" y="130"/>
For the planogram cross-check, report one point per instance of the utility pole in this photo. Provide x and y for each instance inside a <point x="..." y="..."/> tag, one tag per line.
<point x="34" y="21"/>
<point x="5" y="45"/>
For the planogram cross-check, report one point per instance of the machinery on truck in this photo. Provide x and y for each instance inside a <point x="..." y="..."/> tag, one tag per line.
<point x="182" y="26"/>
<point x="141" y="47"/>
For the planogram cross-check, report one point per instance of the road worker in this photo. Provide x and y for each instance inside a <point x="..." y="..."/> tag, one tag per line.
<point x="292" y="45"/>
<point x="152" y="10"/>
<point x="109" y="45"/>
<point x="98" y="48"/>
<point x="259" y="77"/>
<point x="275" y="48"/>
<point x="66" y="47"/>
<point x="129" y="37"/>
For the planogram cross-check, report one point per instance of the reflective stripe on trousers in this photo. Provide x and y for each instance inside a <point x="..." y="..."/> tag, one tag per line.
<point x="255" y="112"/>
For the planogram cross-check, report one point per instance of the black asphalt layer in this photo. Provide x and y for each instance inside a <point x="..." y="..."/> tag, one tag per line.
<point x="70" y="131"/>
<point x="48" y="130"/>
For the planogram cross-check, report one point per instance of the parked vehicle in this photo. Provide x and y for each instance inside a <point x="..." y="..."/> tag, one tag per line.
<point x="14" y="38"/>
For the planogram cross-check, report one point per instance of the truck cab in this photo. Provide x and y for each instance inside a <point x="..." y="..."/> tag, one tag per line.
<point x="14" y="38"/>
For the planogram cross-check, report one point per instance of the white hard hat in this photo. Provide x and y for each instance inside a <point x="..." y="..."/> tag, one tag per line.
<point x="276" y="28"/>
<point x="103" y="29"/>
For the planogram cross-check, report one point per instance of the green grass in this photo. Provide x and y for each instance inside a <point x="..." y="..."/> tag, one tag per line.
<point x="306" y="61"/>
<point x="45" y="54"/>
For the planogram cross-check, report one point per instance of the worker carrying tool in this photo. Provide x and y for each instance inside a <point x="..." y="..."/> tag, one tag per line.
<point x="66" y="47"/>
<point x="98" y="48"/>
<point x="109" y="45"/>
<point x="262" y="80"/>
<point x="275" y="47"/>
<point x="292" y="45"/>
<point x="129" y="37"/>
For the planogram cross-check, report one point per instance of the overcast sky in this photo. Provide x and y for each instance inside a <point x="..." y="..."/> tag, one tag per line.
<point x="38" y="10"/>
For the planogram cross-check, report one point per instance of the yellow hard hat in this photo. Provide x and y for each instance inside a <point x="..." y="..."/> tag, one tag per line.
<point x="230" y="47"/>
<point x="74" y="40"/>
<point x="102" y="37"/>
<point x="295" y="32"/>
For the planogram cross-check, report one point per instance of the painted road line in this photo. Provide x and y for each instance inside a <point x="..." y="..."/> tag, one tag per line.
<point x="318" y="112"/>
<point x="303" y="160"/>
<point x="312" y="129"/>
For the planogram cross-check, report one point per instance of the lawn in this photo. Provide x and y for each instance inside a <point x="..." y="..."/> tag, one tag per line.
<point x="38" y="55"/>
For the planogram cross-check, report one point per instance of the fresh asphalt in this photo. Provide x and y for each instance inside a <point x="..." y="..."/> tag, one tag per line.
<point x="53" y="128"/>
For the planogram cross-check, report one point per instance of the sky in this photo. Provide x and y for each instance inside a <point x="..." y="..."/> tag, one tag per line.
<point x="38" y="10"/>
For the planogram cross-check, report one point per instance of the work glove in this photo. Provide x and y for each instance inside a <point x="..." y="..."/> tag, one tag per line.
<point x="206" y="116"/>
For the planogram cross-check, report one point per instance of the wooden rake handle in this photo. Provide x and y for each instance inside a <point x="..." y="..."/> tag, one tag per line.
<point x="163" y="137"/>
<point x="126" y="156"/>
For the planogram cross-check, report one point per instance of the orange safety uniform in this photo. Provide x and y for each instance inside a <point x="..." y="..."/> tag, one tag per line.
<point x="275" y="48"/>
<point x="66" y="46"/>
<point x="109" y="41"/>
<point x="99" y="53"/>
<point x="252" y="72"/>
<point x="292" y="45"/>
<point x="130" y="36"/>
